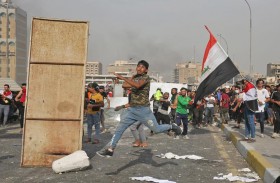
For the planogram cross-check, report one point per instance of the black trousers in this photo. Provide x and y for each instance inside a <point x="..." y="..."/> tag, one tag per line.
<point x="21" y="113"/>
<point x="164" y="118"/>
<point x="277" y="121"/>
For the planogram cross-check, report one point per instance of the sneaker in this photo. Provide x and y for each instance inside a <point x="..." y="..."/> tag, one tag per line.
<point x="176" y="129"/>
<point x="186" y="137"/>
<point x="177" y="137"/>
<point x="95" y="141"/>
<point x="104" y="130"/>
<point x="105" y="153"/>
<point x="262" y="135"/>
<point x="214" y="124"/>
<point x="275" y="135"/>
<point x="252" y="140"/>
<point x="119" y="107"/>
<point x="245" y="139"/>
<point x="236" y="126"/>
<point x="88" y="140"/>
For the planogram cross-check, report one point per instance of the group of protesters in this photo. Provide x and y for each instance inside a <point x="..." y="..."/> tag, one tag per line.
<point x="10" y="103"/>
<point x="173" y="112"/>
<point x="228" y="103"/>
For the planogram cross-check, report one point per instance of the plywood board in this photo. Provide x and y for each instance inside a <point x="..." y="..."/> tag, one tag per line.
<point x="46" y="141"/>
<point x="58" y="41"/>
<point x="55" y="91"/>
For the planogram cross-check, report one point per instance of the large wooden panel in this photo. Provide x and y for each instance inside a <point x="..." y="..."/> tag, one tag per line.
<point x="46" y="141"/>
<point x="58" y="41"/>
<point x="55" y="91"/>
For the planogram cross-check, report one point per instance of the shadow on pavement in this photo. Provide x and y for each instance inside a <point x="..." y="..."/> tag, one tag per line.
<point x="4" y="130"/>
<point x="145" y="156"/>
<point x="5" y="157"/>
<point x="202" y="131"/>
<point x="11" y="136"/>
<point x="272" y="156"/>
<point x="91" y="149"/>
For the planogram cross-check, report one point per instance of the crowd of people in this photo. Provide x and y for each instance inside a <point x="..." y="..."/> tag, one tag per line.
<point x="12" y="103"/>
<point x="173" y="112"/>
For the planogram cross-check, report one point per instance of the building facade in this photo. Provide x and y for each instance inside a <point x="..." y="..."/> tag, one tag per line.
<point x="13" y="42"/>
<point x="93" y="68"/>
<point x="188" y="71"/>
<point x="273" y="70"/>
<point x="122" y="66"/>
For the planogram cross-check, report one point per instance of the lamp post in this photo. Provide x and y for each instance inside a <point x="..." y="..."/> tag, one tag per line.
<point x="220" y="35"/>
<point x="250" y="69"/>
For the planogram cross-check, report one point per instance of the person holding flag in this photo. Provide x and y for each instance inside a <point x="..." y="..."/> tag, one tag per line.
<point x="250" y="107"/>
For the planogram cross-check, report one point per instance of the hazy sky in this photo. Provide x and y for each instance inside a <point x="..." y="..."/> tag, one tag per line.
<point x="165" y="32"/>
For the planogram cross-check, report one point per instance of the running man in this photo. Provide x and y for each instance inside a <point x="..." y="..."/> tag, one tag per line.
<point x="139" y="109"/>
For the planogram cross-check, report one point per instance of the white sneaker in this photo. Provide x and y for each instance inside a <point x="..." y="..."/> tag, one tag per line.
<point x="262" y="135"/>
<point x="275" y="135"/>
<point x="177" y="137"/>
<point x="186" y="137"/>
<point x="214" y="124"/>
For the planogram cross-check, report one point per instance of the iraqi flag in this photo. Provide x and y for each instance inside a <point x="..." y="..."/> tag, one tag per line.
<point x="217" y="68"/>
<point x="250" y="97"/>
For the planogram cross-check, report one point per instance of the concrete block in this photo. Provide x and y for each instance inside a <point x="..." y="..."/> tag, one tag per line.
<point x="272" y="175"/>
<point x="75" y="161"/>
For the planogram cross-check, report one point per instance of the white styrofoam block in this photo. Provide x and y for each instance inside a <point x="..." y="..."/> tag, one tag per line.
<point x="75" y="161"/>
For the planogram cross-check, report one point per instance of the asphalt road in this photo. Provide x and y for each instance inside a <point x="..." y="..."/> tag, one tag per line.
<point x="220" y="157"/>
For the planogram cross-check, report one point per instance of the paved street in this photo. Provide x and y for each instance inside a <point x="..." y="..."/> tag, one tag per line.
<point x="221" y="157"/>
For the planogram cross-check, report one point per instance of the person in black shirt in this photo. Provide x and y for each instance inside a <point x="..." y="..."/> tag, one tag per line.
<point x="102" y="116"/>
<point x="275" y="100"/>
<point x="163" y="115"/>
<point x="174" y="93"/>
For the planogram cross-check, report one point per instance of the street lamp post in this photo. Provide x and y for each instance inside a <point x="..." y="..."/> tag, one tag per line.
<point x="250" y="69"/>
<point x="220" y="35"/>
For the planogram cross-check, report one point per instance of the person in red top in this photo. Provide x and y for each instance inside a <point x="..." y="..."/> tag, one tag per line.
<point x="20" y="99"/>
<point x="5" y="102"/>
<point x="224" y="107"/>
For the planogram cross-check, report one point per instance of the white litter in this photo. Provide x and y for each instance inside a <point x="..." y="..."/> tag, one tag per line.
<point x="244" y="170"/>
<point x="231" y="178"/>
<point x="151" y="179"/>
<point x="75" y="161"/>
<point x="170" y="155"/>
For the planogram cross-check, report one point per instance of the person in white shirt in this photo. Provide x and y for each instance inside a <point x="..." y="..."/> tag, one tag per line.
<point x="263" y="97"/>
<point x="209" y="110"/>
<point x="5" y="102"/>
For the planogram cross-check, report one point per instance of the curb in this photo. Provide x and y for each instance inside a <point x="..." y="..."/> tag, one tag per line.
<point x="267" y="172"/>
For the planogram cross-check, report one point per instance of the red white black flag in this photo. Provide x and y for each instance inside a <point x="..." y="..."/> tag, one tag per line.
<point x="217" y="68"/>
<point x="250" y="97"/>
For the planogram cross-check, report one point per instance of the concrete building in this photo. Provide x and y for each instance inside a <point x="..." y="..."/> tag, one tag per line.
<point x="273" y="70"/>
<point x="187" y="71"/>
<point x="93" y="68"/>
<point x="13" y="42"/>
<point x="122" y="66"/>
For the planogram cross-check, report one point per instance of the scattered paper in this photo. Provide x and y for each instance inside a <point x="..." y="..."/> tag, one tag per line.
<point x="244" y="170"/>
<point x="170" y="155"/>
<point x="252" y="177"/>
<point x="151" y="179"/>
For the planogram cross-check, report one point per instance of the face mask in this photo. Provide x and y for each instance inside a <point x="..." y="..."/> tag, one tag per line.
<point x="236" y="91"/>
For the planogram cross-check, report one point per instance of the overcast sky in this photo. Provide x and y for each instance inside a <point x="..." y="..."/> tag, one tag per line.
<point x="165" y="32"/>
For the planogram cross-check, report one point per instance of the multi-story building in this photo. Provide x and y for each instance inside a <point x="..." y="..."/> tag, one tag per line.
<point x="273" y="70"/>
<point x="184" y="71"/>
<point x="13" y="42"/>
<point x="122" y="66"/>
<point x="93" y="68"/>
